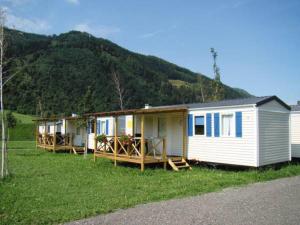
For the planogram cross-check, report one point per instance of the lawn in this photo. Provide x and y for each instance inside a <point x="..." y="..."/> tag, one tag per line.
<point x="49" y="188"/>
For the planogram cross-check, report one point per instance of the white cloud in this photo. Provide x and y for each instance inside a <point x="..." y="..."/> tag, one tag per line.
<point x="151" y="34"/>
<point x="34" y="25"/>
<point x="157" y="32"/>
<point x="98" y="31"/>
<point x="75" y="2"/>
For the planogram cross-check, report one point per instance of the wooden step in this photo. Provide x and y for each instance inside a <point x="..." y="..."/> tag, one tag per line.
<point x="78" y="151"/>
<point x="179" y="164"/>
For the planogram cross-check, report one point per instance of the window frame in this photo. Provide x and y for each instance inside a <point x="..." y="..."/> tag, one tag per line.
<point x="194" y="127"/>
<point x="233" y="123"/>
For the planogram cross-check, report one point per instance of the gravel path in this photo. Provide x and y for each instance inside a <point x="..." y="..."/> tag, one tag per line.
<point x="273" y="202"/>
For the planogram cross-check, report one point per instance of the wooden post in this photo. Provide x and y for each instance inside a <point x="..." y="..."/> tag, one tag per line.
<point x="54" y="136"/>
<point x="37" y="130"/>
<point x="133" y="124"/>
<point x="164" y="154"/>
<point x="184" y="133"/>
<point x="142" y="143"/>
<point x="116" y="138"/>
<point x="45" y="134"/>
<point x="95" y="137"/>
<point x="65" y="134"/>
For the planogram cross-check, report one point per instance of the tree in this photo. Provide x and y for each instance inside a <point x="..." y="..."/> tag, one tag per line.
<point x="10" y="120"/>
<point x="215" y="67"/>
<point x="4" y="169"/>
<point x="119" y="89"/>
<point x="217" y="84"/>
<point x="86" y="103"/>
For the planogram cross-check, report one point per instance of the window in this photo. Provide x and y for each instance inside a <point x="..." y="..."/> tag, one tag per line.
<point x="199" y="125"/>
<point x="48" y="129"/>
<point x="121" y="125"/>
<point x="91" y="126"/>
<point x="102" y="127"/>
<point x="227" y="125"/>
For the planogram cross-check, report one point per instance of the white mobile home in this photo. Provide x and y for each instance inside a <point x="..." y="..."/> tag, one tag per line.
<point x="295" y="130"/>
<point x="249" y="132"/>
<point x="60" y="134"/>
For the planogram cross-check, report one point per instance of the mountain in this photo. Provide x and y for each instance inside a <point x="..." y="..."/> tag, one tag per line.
<point x="73" y="72"/>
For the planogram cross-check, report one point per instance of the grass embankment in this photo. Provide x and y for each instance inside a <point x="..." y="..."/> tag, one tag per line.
<point x="47" y="188"/>
<point x="25" y="129"/>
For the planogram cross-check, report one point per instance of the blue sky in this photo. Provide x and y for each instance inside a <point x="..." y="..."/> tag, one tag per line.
<point x="258" y="41"/>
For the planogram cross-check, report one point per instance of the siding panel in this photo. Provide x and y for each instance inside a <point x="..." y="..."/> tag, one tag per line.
<point x="227" y="150"/>
<point x="273" y="136"/>
<point x="295" y="134"/>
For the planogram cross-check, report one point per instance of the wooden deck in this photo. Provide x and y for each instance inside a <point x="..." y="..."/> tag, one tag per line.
<point x="58" y="143"/>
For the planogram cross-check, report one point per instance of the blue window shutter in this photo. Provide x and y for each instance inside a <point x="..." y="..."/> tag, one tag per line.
<point x="190" y="125"/>
<point x="107" y="127"/>
<point x="217" y="124"/>
<point x="238" y="124"/>
<point x="208" y="124"/>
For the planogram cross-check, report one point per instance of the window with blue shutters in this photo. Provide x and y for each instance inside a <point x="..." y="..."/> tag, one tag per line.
<point x="199" y="125"/>
<point x="208" y="124"/>
<point x="217" y="124"/>
<point x="238" y="124"/>
<point x="190" y="124"/>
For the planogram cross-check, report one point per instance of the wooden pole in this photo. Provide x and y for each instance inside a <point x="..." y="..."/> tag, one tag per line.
<point x="184" y="121"/>
<point x="54" y="136"/>
<point x="65" y="134"/>
<point x="164" y="154"/>
<point x="133" y="124"/>
<point x="142" y="143"/>
<point x="116" y="138"/>
<point x="95" y="137"/>
<point x="45" y="134"/>
<point x="37" y="133"/>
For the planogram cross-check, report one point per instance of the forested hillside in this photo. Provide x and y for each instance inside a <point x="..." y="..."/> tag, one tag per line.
<point x="76" y="72"/>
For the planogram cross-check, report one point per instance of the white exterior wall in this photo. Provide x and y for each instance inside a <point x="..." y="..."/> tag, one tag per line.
<point x="42" y="128"/>
<point x="274" y="133"/>
<point x="173" y="131"/>
<point x="77" y="139"/>
<point x="227" y="150"/>
<point x="295" y="134"/>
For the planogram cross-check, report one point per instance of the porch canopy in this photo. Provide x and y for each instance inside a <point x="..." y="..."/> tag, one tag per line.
<point x="138" y="148"/>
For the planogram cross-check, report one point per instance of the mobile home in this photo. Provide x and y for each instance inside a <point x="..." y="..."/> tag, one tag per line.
<point x="63" y="133"/>
<point x="295" y="130"/>
<point x="249" y="132"/>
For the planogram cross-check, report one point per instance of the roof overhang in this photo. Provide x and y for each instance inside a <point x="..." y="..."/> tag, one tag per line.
<point x="138" y="111"/>
<point x="54" y="119"/>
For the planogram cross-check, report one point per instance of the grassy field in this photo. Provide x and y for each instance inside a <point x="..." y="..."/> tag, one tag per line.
<point x="48" y="188"/>
<point x="24" y="131"/>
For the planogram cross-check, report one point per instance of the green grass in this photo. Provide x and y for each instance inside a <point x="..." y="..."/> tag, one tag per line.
<point x="24" y="131"/>
<point x="48" y="188"/>
<point x="24" y="119"/>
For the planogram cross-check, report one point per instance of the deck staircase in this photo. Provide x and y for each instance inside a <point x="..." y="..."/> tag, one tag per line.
<point x="78" y="151"/>
<point x="178" y="164"/>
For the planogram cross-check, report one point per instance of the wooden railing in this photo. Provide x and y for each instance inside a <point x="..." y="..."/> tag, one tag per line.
<point x="154" y="147"/>
<point x="48" y="139"/>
